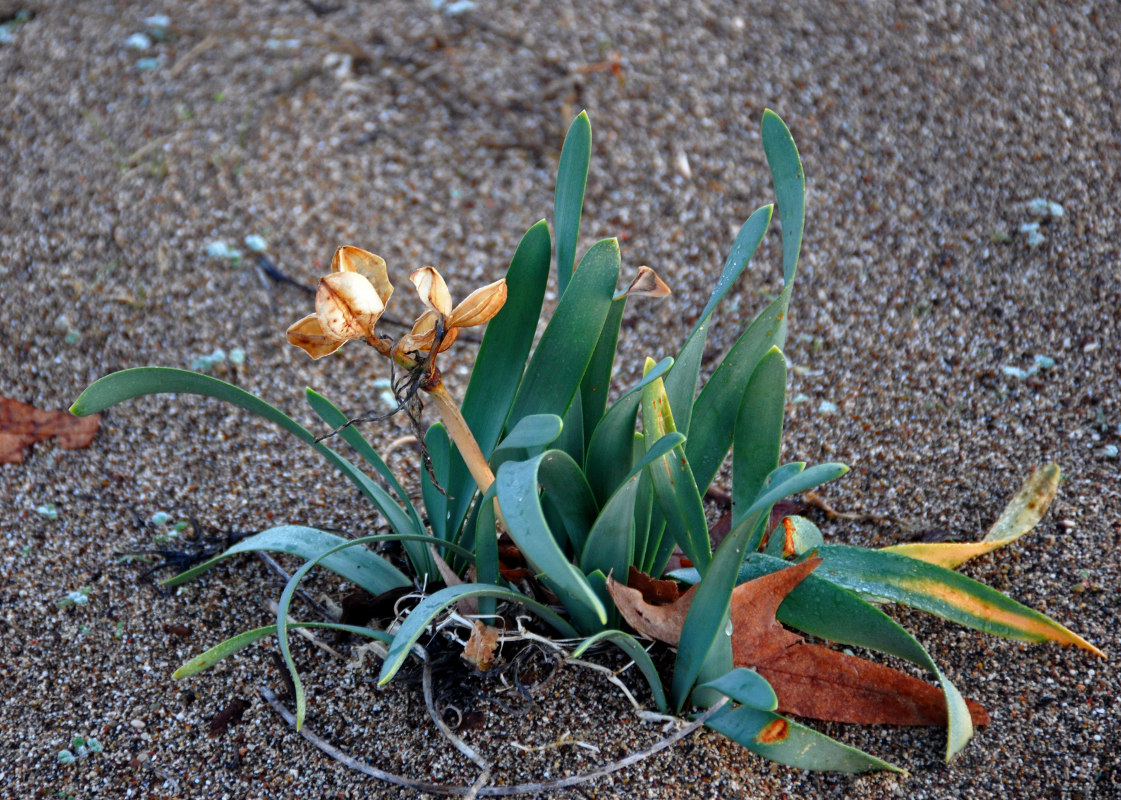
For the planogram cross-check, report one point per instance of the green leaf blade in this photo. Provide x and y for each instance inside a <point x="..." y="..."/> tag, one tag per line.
<point x="568" y="201"/>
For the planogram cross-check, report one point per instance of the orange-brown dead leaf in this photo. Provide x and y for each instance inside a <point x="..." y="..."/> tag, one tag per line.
<point x="655" y="591"/>
<point x="22" y="425"/>
<point x="810" y="680"/>
<point x="658" y="622"/>
<point x="479" y="651"/>
<point x="817" y="682"/>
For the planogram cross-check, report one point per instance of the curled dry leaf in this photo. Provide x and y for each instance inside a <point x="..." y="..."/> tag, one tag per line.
<point x="479" y="651"/>
<point x="809" y="680"/>
<point x="1022" y="513"/>
<point x="646" y="283"/>
<point x="22" y="425"/>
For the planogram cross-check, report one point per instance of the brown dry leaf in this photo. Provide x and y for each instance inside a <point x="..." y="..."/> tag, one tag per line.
<point x="479" y="651"/>
<point x="814" y="681"/>
<point x="655" y="591"/>
<point x="658" y="622"/>
<point x="810" y="680"/>
<point x="22" y="425"/>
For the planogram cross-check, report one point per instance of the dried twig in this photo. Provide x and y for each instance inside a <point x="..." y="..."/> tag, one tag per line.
<point x="458" y="743"/>
<point x="486" y="791"/>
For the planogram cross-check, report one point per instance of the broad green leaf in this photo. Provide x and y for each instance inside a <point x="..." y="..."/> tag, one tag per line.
<point x="821" y="608"/>
<point x="787" y="742"/>
<point x="675" y="490"/>
<point x="784" y="481"/>
<point x="571" y="439"/>
<point x="717" y="406"/>
<point x="610" y="544"/>
<point x="131" y="383"/>
<point x="758" y="429"/>
<point x="790" y="188"/>
<point x="681" y="383"/>
<point x="637" y="653"/>
<point x="363" y="567"/>
<point x="486" y="548"/>
<point x="606" y="465"/>
<point x="439" y="447"/>
<point x="536" y="431"/>
<point x="232" y="645"/>
<point x="708" y="613"/>
<point x="597" y="378"/>
<point x="1021" y="515"/>
<point x="430" y="607"/>
<point x="557" y="366"/>
<point x="517" y="490"/>
<point x="793" y="536"/>
<point x="501" y="361"/>
<point x="893" y="577"/>
<point x="335" y="418"/>
<point x="568" y="203"/>
<point x="746" y="687"/>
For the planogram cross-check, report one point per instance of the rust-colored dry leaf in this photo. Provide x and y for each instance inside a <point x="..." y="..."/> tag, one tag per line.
<point x="646" y="284"/>
<point x="22" y="425"/>
<point x="658" y="622"/>
<point x="655" y="591"/>
<point x="814" y="681"/>
<point x="479" y="651"/>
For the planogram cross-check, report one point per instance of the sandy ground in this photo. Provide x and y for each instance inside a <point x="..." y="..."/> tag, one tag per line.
<point x="432" y="138"/>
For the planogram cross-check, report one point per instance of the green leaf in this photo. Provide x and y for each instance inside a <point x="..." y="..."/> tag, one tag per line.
<point x="501" y="361"/>
<point x="821" y="608"/>
<point x="435" y="501"/>
<point x="758" y="430"/>
<point x="597" y="378"/>
<point x="568" y="203"/>
<point x="606" y="464"/>
<point x="681" y="384"/>
<point x="787" y="480"/>
<point x="708" y="613"/>
<point x="517" y="487"/>
<point x="364" y="567"/>
<point x="611" y="541"/>
<point x="232" y="645"/>
<point x="941" y="591"/>
<point x="675" y="490"/>
<point x="561" y="357"/>
<point x="717" y="406"/>
<point x="533" y="432"/>
<point x="746" y="687"/>
<point x="637" y="653"/>
<point x="486" y="548"/>
<point x="352" y="436"/>
<point x="790" y="188"/>
<point x="428" y="608"/>
<point x="787" y="742"/>
<point x="131" y="383"/>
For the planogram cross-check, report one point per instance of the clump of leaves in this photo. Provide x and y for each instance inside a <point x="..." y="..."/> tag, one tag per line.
<point x="535" y="481"/>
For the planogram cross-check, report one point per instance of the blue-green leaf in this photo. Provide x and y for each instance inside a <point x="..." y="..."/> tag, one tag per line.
<point x="790" y="188"/>
<point x="746" y="687"/>
<point x="637" y="653"/>
<point x="568" y="203"/>
<point x="758" y="431"/>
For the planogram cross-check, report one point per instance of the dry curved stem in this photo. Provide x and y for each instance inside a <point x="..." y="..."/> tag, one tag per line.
<point x="476" y="790"/>
<point x="458" y="743"/>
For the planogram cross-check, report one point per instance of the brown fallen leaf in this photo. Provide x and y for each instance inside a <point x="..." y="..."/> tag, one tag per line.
<point x="662" y="622"/>
<point x="230" y="715"/>
<point x="810" y="680"/>
<point x="480" y="647"/>
<point x="22" y="425"/>
<point x="655" y="591"/>
<point x="817" y="682"/>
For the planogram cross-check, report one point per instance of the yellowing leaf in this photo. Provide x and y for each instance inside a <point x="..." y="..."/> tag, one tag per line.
<point x="1021" y="515"/>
